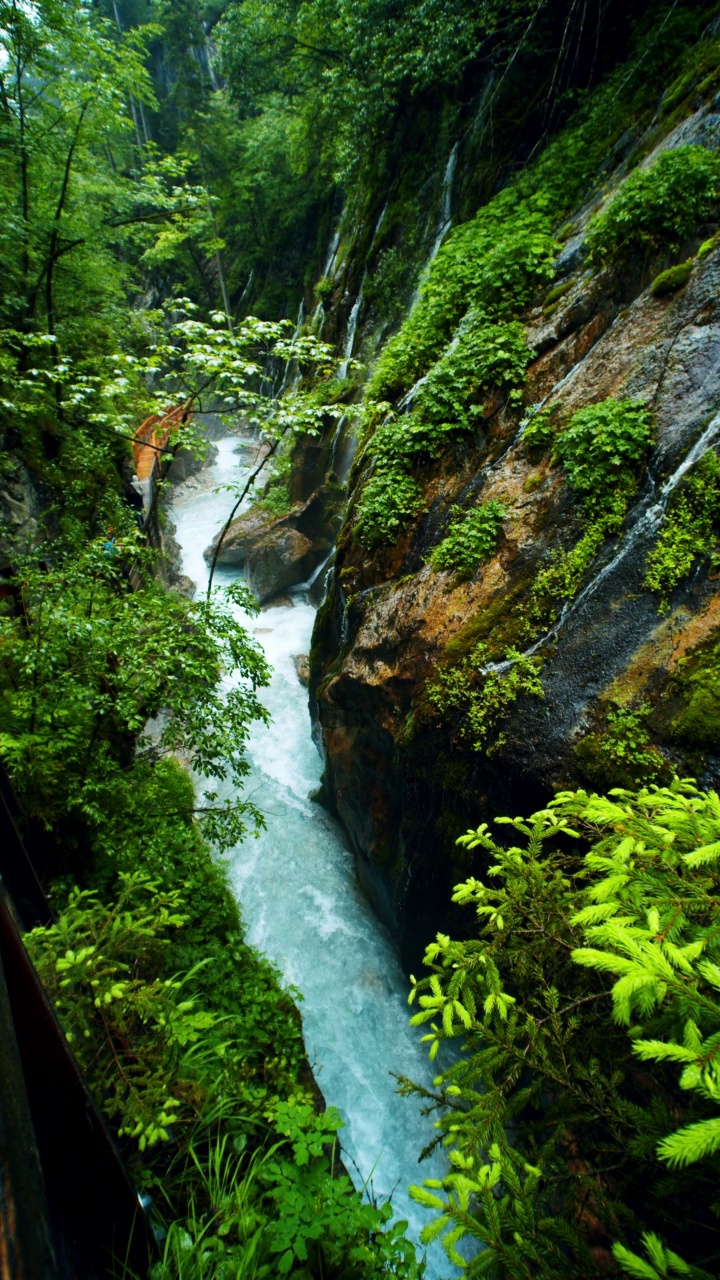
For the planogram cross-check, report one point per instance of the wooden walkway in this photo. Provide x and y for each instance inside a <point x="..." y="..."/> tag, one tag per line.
<point x="149" y="443"/>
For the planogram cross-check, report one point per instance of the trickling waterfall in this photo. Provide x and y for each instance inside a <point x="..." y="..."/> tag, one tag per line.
<point x="332" y="252"/>
<point x="303" y="907"/>
<point x="350" y="335"/>
<point x="344" y="445"/>
<point x="646" y="522"/>
<point x="317" y="320"/>
<point x="291" y="376"/>
<point x="444" y="218"/>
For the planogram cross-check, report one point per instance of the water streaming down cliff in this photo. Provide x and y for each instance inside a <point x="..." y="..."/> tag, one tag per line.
<point x="303" y="907"/>
<point x="350" y="335"/>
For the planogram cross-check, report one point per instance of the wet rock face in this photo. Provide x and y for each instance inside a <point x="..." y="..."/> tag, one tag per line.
<point x="19" y="510"/>
<point x="401" y="777"/>
<point x="279" y="552"/>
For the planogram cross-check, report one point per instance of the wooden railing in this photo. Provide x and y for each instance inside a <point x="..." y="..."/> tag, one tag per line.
<point x="151" y="453"/>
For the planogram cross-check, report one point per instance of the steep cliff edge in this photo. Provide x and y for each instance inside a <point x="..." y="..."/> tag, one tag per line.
<point x="463" y="669"/>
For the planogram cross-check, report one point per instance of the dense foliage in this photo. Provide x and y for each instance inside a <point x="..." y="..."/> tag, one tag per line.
<point x="581" y="1121"/>
<point x="687" y="529"/>
<point x="659" y="207"/>
<point x="188" y="1040"/>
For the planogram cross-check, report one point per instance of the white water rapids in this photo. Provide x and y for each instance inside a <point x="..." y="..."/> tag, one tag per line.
<point x="302" y="905"/>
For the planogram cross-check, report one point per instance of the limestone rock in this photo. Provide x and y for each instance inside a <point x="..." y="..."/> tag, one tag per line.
<point x="279" y="552"/>
<point x="19" y="510"/>
<point x="399" y="774"/>
<point x="301" y="662"/>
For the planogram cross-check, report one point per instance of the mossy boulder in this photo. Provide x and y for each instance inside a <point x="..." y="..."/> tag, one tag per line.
<point x="671" y="280"/>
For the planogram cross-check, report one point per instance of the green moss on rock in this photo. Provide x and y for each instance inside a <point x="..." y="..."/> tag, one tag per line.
<point x="671" y="280"/>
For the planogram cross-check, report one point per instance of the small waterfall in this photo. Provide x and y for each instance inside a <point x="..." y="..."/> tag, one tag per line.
<point x="350" y="335"/>
<point x="379" y="223"/>
<point x="291" y="376"/>
<point x="444" y="219"/>
<point x="317" y="320"/>
<point x="330" y="261"/>
<point x="344" y="446"/>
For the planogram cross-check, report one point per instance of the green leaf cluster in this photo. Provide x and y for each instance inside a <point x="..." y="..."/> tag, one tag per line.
<point x="622" y="751"/>
<point x="194" y="1051"/>
<point x="471" y="539"/>
<point x="479" y="694"/>
<point x="484" y="358"/>
<point x="687" y="530"/>
<point x="658" y="207"/>
<point x="582" y="1118"/>
<point x="603" y="445"/>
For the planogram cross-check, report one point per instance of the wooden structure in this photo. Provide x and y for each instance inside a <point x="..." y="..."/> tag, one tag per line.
<point x="150" y="447"/>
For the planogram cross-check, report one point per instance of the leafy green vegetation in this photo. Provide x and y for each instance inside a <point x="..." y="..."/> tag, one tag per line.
<point x="602" y="447"/>
<point x="487" y="269"/>
<point x="623" y="752"/>
<point x="480" y="695"/>
<point x="483" y="358"/>
<point x="582" y="1119"/>
<point x="490" y="268"/>
<point x="471" y="539"/>
<point x="659" y="207"/>
<point x="195" y="1051"/>
<point x="686" y="531"/>
<point x="538" y="428"/>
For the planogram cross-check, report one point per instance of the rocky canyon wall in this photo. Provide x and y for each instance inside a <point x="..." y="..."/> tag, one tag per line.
<point x="443" y="698"/>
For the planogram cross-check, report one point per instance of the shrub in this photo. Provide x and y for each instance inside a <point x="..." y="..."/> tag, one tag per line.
<point x="484" y="357"/>
<point x="483" y="695"/>
<point x="603" y="444"/>
<point x="491" y="265"/>
<point x="471" y="539"/>
<point x="584" y="1107"/>
<point x="624" y="752"/>
<point x="537" y="427"/>
<point x="658" y="207"/>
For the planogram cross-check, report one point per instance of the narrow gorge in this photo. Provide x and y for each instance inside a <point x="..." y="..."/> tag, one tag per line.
<point x="359" y="674"/>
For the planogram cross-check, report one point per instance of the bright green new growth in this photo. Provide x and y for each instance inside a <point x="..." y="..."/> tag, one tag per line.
<point x="390" y="499"/>
<point x="622" y="753"/>
<point x="687" y="528"/>
<point x="471" y="539"/>
<point x="537" y="427"/>
<point x="595" y="952"/>
<point x="603" y="446"/>
<point x="659" y="207"/>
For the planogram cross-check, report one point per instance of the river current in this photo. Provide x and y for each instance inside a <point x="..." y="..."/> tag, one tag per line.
<point x="302" y="905"/>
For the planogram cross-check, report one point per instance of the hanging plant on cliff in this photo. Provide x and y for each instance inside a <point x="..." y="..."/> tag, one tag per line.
<point x="582" y="1120"/>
